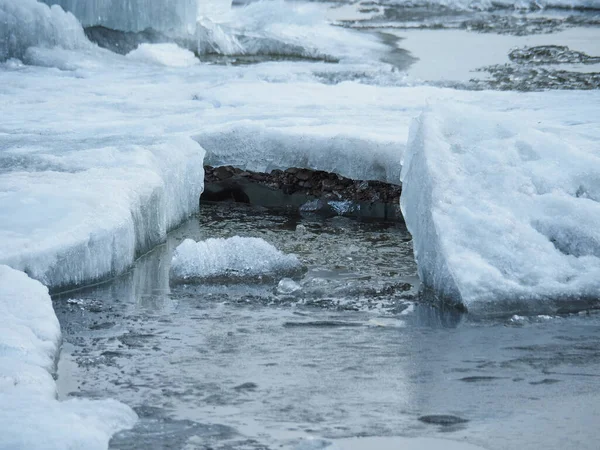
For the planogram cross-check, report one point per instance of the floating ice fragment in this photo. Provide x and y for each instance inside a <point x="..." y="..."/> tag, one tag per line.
<point x="237" y="257"/>
<point x="170" y="55"/>
<point x="287" y="286"/>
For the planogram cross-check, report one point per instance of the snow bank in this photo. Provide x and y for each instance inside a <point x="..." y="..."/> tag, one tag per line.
<point x="28" y="23"/>
<point x="503" y="216"/>
<point x="235" y="257"/>
<point x="31" y="417"/>
<point x="169" y="55"/>
<point x="97" y="208"/>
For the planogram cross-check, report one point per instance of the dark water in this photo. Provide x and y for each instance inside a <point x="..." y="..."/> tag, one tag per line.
<point x="352" y="353"/>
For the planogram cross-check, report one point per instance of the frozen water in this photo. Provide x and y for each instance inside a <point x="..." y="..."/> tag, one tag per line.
<point x="27" y="23"/>
<point x="97" y="160"/>
<point x="134" y="15"/>
<point x="479" y="5"/>
<point x="235" y="257"/>
<point x="169" y="55"/>
<point x="287" y="286"/>
<point x="283" y="29"/>
<point x="97" y="208"/>
<point x="30" y="333"/>
<point x="262" y="148"/>
<point x="31" y="417"/>
<point x="503" y="213"/>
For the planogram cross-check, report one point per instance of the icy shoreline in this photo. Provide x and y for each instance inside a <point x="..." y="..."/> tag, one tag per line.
<point x="29" y="345"/>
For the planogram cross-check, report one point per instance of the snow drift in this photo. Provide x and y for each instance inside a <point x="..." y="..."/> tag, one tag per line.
<point x="503" y="216"/>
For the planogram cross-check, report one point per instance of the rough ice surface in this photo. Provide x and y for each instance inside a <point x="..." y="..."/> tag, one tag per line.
<point x="259" y="148"/>
<point x="29" y="343"/>
<point x="96" y="208"/>
<point x="286" y="29"/>
<point x="169" y="55"/>
<point x="504" y="215"/>
<point x="28" y="23"/>
<point x="134" y="15"/>
<point x="97" y="159"/>
<point x="235" y="257"/>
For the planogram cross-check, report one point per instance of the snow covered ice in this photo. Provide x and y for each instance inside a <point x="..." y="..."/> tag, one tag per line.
<point x="101" y="155"/>
<point x="30" y="417"/>
<point x="169" y="55"/>
<point x="504" y="215"/>
<point x="237" y="257"/>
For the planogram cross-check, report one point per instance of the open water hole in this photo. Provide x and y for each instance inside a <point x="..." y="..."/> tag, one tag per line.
<point x="351" y="353"/>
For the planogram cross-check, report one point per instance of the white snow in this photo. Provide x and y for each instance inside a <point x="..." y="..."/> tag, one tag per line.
<point x="27" y="23"/>
<point x="29" y="344"/>
<point x="235" y="257"/>
<point x="170" y="55"/>
<point x="504" y="212"/>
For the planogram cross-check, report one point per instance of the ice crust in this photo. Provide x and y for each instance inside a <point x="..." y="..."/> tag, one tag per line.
<point x="28" y="23"/>
<point x="134" y="15"/>
<point x="504" y="216"/>
<point x="29" y="345"/>
<point x="94" y="210"/>
<point x="97" y="159"/>
<point x="238" y="257"/>
<point x="258" y="147"/>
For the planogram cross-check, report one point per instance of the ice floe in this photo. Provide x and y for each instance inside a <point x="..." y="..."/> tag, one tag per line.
<point x="504" y="215"/>
<point x="169" y="55"/>
<point x="237" y="257"/>
<point x="86" y="213"/>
